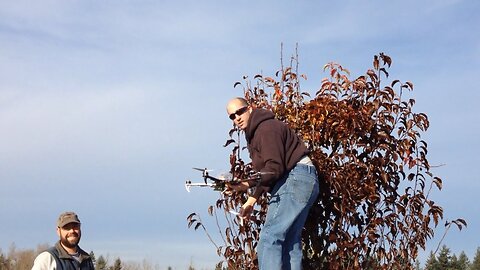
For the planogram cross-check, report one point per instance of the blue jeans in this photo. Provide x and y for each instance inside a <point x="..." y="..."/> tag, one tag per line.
<point x="280" y="244"/>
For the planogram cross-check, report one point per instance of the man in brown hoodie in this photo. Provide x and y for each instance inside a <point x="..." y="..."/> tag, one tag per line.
<point x="289" y="175"/>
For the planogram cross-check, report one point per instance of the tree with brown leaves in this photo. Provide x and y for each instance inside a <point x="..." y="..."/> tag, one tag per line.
<point x="374" y="209"/>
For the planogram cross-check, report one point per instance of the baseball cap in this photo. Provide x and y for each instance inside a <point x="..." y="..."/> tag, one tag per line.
<point x="67" y="217"/>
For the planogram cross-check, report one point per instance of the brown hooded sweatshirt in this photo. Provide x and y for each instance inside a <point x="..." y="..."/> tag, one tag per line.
<point x="274" y="148"/>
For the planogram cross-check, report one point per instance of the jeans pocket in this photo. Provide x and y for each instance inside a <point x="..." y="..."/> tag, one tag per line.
<point x="302" y="187"/>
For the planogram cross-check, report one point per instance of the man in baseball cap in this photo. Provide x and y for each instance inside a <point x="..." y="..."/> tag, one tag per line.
<point x="66" y="254"/>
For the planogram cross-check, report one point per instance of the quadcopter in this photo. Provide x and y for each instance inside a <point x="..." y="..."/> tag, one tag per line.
<point x="218" y="183"/>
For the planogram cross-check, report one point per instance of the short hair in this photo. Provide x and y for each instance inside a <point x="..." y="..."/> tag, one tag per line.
<point x="242" y="100"/>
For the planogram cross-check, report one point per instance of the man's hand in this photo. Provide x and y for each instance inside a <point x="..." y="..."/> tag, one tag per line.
<point x="247" y="208"/>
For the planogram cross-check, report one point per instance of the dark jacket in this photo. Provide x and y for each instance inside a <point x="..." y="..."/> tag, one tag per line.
<point x="274" y="148"/>
<point x="67" y="262"/>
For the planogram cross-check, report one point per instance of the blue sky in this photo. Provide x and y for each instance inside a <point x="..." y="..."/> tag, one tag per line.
<point x="105" y="106"/>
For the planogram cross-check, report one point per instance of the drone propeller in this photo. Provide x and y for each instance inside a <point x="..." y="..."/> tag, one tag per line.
<point x="204" y="173"/>
<point x="203" y="170"/>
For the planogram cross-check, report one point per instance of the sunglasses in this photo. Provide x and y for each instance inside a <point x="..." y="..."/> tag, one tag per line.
<point x="238" y="112"/>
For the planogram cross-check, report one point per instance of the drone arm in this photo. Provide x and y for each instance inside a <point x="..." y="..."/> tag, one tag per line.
<point x="189" y="184"/>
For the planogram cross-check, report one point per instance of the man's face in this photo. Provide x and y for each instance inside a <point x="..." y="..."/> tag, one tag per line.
<point x="239" y="113"/>
<point x="70" y="235"/>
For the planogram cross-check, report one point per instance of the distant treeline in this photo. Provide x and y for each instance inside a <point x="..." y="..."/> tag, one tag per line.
<point x="444" y="260"/>
<point x="16" y="259"/>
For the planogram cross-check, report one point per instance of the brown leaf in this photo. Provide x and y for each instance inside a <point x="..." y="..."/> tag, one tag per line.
<point x="410" y="85"/>
<point x="228" y="142"/>
<point x="198" y="225"/>
<point x="376" y="63"/>
<point x="438" y="182"/>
